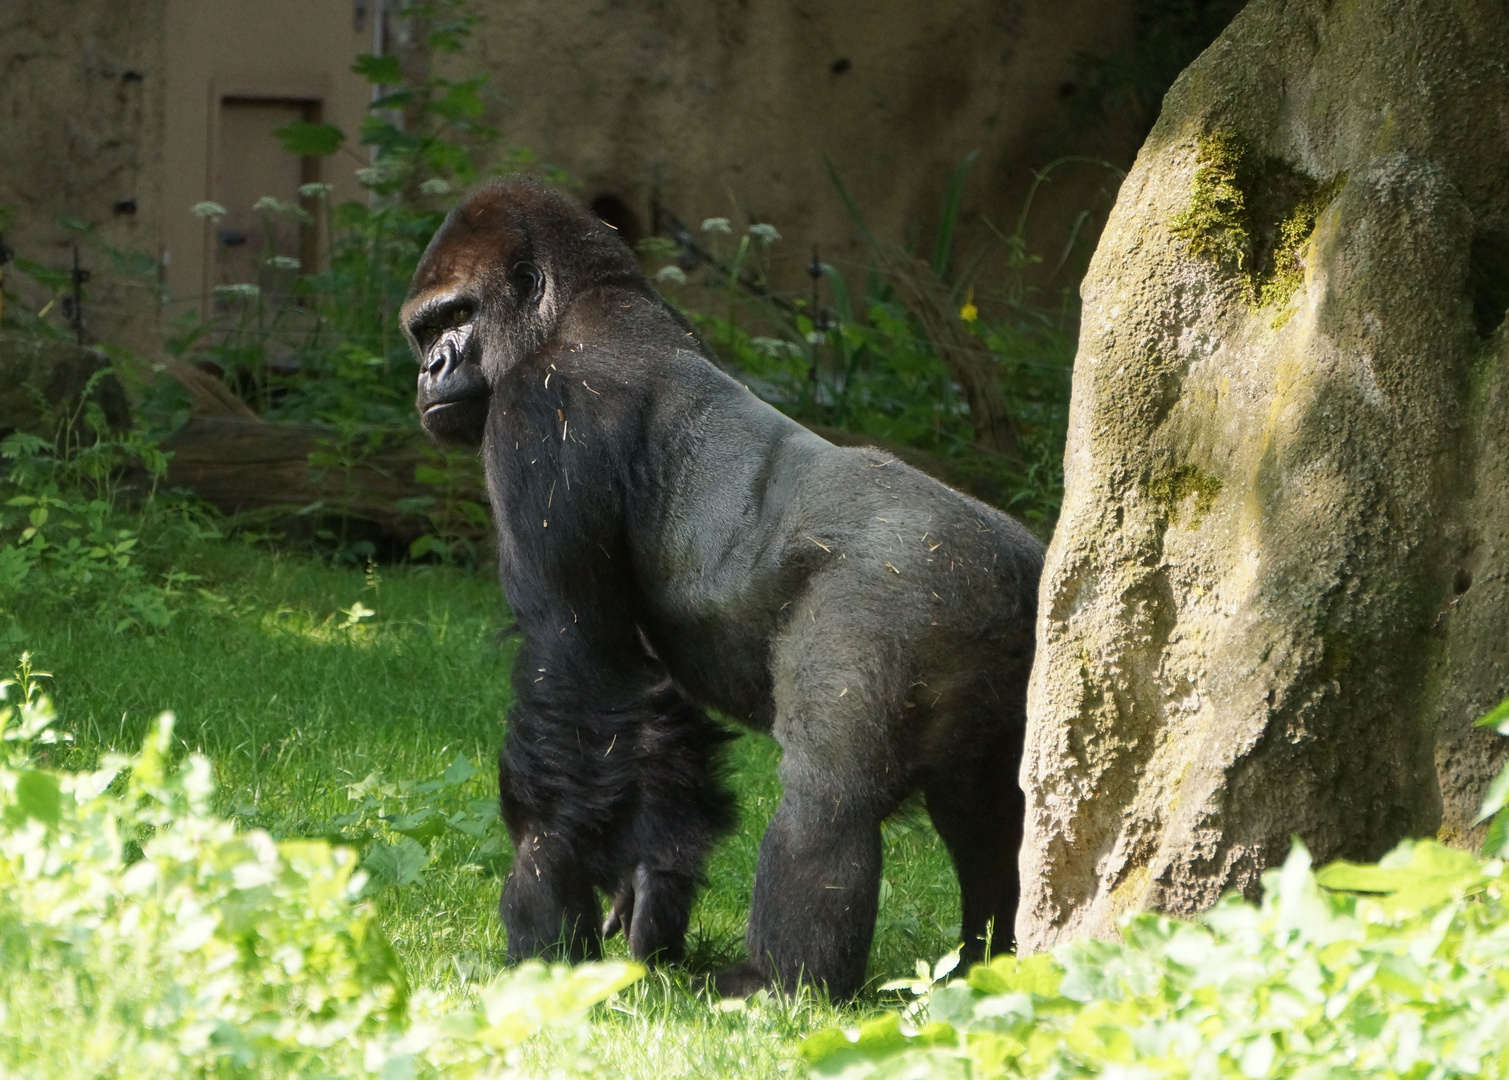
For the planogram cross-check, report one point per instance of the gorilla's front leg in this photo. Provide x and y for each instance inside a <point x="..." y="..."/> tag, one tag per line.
<point x="562" y="815"/>
<point x="548" y="907"/>
<point x="682" y="809"/>
<point x="625" y="797"/>
<point x="653" y="909"/>
<point x="816" y="893"/>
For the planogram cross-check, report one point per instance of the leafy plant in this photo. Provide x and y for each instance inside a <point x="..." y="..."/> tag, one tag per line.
<point x="455" y="517"/>
<point x="403" y="826"/>
<point x="1359" y="971"/>
<point x="142" y="935"/>
<point x="1389" y="970"/>
<point x="908" y="360"/>
<point x="64" y="532"/>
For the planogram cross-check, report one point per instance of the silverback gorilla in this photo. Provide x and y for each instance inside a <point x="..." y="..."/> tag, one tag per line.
<point x="668" y="541"/>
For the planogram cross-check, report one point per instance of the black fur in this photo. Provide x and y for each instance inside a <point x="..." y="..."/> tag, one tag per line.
<point x="667" y="540"/>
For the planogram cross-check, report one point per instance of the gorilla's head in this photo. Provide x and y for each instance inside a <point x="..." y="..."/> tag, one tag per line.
<point x="491" y="290"/>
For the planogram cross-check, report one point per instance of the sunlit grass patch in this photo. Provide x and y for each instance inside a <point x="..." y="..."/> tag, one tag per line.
<point x="299" y="702"/>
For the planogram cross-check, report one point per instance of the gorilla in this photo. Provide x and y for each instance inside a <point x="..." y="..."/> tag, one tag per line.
<point x="669" y="542"/>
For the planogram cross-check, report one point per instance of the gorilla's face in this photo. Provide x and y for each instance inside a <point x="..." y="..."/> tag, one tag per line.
<point x="472" y="312"/>
<point x="492" y="289"/>
<point x="453" y="393"/>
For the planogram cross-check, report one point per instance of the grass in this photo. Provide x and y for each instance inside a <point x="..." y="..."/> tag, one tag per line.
<point x="294" y="697"/>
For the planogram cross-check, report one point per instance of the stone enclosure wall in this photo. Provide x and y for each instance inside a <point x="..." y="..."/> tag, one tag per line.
<point x="655" y="108"/>
<point x="81" y="121"/>
<point x="736" y="109"/>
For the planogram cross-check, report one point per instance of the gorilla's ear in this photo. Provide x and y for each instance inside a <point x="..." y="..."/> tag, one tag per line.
<point x="528" y="281"/>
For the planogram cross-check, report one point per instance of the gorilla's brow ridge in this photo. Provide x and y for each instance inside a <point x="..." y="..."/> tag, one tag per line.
<point x="436" y="309"/>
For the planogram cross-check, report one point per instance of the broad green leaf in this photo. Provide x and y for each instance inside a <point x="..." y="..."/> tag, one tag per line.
<point x="37" y="794"/>
<point x="1498" y="717"/>
<point x="1038" y="974"/>
<point x="1496" y="798"/>
<point x="520" y="1002"/>
<point x="459" y="102"/>
<point x="378" y="70"/>
<point x="1496" y="841"/>
<point x="459" y="771"/>
<point x="824" y="1045"/>
<point x="1344" y="876"/>
<point x="396" y="865"/>
<point x="422" y="825"/>
<point x="304" y="139"/>
<point x="1415" y="876"/>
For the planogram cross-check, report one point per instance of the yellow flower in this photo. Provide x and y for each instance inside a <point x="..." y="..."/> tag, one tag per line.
<point x="969" y="313"/>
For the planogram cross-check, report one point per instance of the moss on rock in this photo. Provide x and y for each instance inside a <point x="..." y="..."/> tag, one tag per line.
<point x="1252" y="216"/>
<point x="1171" y="489"/>
<point x="1286" y="272"/>
<point x="1214" y="226"/>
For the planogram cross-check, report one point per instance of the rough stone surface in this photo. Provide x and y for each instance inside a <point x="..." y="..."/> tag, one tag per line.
<point x="43" y="384"/>
<point x="734" y="109"/>
<point x="81" y="117"/>
<point x="1277" y="596"/>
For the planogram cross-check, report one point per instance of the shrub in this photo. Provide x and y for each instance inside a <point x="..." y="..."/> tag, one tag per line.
<point x="141" y="935"/>
<point x="1389" y="970"/>
<point x="68" y="538"/>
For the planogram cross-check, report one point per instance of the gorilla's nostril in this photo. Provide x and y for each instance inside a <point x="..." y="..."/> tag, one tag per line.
<point x="440" y="357"/>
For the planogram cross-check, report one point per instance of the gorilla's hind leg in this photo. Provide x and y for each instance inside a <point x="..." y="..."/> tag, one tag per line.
<point x="816" y="893"/>
<point x="978" y="810"/>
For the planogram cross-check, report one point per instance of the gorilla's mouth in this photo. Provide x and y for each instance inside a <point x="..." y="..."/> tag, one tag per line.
<point x="437" y="408"/>
<point x="458" y="421"/>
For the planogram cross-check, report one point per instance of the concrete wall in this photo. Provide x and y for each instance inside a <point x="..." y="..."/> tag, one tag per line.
<point x="112" y="114"/>
<point x="81" y="118"/>
<point x="726" y="108"/>
<point x="730" y="109"/>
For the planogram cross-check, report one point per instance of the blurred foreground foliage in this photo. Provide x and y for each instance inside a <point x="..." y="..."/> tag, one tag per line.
<point x="142" y="935"/>
<point x="1397" y="970"/>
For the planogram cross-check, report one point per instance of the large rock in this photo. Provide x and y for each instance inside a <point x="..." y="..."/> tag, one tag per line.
<point x="44" y="384"/>
<point x="1277" y="596"/>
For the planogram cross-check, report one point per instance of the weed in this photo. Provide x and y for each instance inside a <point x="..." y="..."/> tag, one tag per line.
<point x="66" y="538"/>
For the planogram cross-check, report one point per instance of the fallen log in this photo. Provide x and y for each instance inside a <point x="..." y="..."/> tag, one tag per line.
<point x="386" y="486"/>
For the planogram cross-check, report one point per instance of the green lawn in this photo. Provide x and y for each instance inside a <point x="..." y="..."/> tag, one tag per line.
<point x="293" y="700"/>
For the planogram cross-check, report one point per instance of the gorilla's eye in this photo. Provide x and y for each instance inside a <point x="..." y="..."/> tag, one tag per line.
<point x="437" y="319"/>
<point x="530" y="282"/>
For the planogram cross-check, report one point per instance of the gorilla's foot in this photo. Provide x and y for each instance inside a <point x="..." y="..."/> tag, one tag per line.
<point x="739" y="980"/>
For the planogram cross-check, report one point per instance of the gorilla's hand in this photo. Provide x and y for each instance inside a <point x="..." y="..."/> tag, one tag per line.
<point x="621" y="915"/>
<point x="652" y="909"/>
